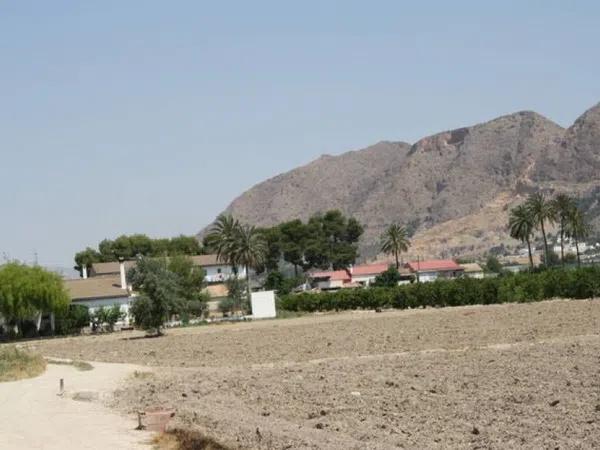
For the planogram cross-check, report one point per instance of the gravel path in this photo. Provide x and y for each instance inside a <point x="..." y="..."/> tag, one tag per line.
<point x="33" y="416"/>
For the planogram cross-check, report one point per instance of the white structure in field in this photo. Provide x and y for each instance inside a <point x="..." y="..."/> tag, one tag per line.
<point x="263" y="305"/>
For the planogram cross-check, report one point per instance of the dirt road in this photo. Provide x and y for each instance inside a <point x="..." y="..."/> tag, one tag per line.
<point x="33" y="416"/>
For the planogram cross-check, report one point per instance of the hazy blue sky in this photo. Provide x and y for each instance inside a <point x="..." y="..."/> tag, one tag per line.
<point x="120" y="117"/>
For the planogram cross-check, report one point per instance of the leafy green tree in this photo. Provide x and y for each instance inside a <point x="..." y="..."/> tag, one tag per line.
<point x="493" y="265"/>
<point x="184" y="245"/>
<point x="190" y="280"/>
<point x="273" y="241"/>
<point x="577" y="228"/>
<point x="562" y="205"/>
<point x="521" y="226"/>
<point x="85" y="259"/>
<point x="542" y="212"/>
<point x="26" y="291"/>
<point x="159" y="294"/>
<point x="389" y="278"/>
<point x="72" y="320"/>
<point x="276" y="281"/>
<point x="235" y="296"/>
<point x="332" y="240"/>
<point x="294" y="235"/>
<point x="394" y="241"/>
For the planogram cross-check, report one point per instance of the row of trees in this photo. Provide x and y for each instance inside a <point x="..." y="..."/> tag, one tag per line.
<point x="27" y="292"/>
<point x="538" y="212"/>
<point x="135" y="245"/>
<point x="325" y="241"/>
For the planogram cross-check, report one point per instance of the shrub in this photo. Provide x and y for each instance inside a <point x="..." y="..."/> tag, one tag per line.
<point x="108" y="316"/>
<point x="577" y="283"/>
<point x="72" y="320"/>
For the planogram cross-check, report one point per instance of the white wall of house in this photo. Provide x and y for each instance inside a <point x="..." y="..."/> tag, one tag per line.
<point x="478" y="275"/>
<point x="330" y="284"/>
<point x="425" y="277"/>
<point x="364" y="279"/>
<point x="123" y="302"/>
<point x="222" y="273"/>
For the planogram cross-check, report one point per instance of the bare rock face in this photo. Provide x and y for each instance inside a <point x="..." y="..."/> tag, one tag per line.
<point x="462" y="181"/>
<point x="577" y="156"/>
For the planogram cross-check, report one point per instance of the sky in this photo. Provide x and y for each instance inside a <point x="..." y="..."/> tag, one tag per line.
<point x="151" y="117"/>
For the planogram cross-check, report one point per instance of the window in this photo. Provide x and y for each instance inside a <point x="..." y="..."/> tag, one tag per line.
<point x="219" y="270"/>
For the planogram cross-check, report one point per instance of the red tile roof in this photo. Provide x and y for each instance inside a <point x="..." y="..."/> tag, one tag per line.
<point x="369" y="269"/>
<point x="433" y="265"/>
<point x="333" y="275"/>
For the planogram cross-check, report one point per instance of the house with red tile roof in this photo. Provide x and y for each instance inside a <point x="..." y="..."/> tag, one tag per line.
<point x="433" y="269"/>
<point x="365" y="274"/>
<point x="330" y="279"/>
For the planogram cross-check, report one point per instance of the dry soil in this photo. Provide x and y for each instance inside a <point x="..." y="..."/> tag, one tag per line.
<point x="506" y="376"/>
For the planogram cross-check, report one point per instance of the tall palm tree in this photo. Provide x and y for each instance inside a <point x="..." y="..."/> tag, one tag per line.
<point x="221" y="238"/>
<point x="542" y="212"/>
<point x="394" y="240"/>
<point x="249" y="250"/>
<point x="521" y="225"/>
<point x="577" y="228"/>
<point x="562" y="205"/>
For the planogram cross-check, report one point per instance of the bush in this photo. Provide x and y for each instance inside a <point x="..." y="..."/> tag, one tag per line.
<point x="389" y="278"/>
<point x="227" y="305"/>
<point x="72" y="320"/>
<point x="106" y="318"/>
<point x="577" y="283"/>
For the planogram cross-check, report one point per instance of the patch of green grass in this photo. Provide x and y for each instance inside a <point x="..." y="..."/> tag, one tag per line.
<point x="16" y="364"/>
<point x="79" y="365"/>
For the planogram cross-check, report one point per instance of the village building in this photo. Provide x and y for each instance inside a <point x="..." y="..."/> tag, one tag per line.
<point x="472" y="270"/>
<point x="103" y="291"/>
<point x="434" y="269"/>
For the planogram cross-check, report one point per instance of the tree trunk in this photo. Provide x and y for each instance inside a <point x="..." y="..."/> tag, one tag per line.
<point x="530" y="255"/>
<point x="296" y="270"/>
<point x="397" y="262"/>
<point x="546" y="259"/>
<point x="562" y="247"/>
<point x="249" y="296"/>
<point x="577" y="249"/>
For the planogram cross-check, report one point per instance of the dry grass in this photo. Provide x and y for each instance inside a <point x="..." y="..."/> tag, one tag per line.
<point x="179" y="439"/>
<point x="16" y="364"/>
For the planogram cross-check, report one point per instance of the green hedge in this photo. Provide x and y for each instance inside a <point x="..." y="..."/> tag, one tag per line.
<point x="524" y="287"/>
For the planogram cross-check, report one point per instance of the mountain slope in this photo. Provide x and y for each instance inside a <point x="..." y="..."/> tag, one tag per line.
<point x="452" y="188"/>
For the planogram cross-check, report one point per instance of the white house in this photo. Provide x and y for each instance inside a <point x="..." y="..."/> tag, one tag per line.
<point x="472" y="270"/>
<point x="331" y="279"/>
<point x="431" y="270"/>
<point x="103" y="291"/>
<point x="217" y="271"/>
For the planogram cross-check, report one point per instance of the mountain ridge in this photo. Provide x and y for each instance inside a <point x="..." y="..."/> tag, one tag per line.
<point x="477" y="171"/>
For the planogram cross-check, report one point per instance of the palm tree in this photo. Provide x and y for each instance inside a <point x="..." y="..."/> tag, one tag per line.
<point x="521" y="226"/>
<point x="221" y="238"/>
<point x="541" y="212"/>
<point x="577" y="228"/>
<point x="394" y="240"/>
<point x="249" y="249"/>
<point x="562" y="205"/>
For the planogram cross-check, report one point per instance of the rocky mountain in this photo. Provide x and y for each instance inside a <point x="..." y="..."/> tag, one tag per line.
<point x="453" y="189"/>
